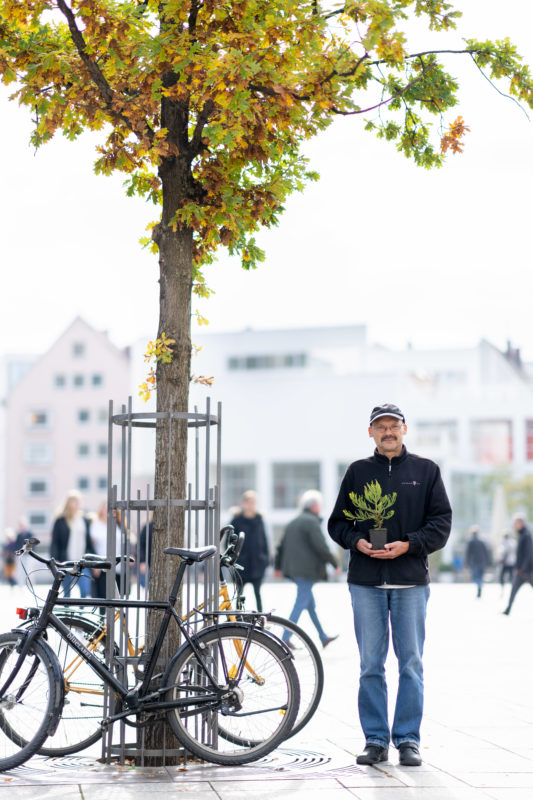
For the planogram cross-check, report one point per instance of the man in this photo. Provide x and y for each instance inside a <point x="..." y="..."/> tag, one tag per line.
<point x="302" y="555"/>
<point x="389" y="586"/>
<point x="524" y="558"/>
<point x="477" y="558"/>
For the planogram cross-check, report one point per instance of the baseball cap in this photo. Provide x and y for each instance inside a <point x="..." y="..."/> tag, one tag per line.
<point x="386" y="410"/>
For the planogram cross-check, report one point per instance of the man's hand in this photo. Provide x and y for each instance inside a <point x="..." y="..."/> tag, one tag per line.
<point x="391" y="550"/>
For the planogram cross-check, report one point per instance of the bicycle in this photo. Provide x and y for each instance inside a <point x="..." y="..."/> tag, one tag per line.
<point x="80" y="726"/>
<point x="216" y="710"/>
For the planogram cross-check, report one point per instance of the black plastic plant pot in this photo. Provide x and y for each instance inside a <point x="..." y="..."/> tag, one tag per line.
<point x="378" y="538"/>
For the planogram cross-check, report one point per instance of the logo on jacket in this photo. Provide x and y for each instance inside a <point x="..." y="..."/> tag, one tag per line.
<point x="411" y="483"/>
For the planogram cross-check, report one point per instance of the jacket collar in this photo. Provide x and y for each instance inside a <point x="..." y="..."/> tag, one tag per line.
<point x="395" y="460"/>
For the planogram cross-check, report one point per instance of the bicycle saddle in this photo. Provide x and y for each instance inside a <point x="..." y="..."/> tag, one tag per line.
<point x="191" y="554"/>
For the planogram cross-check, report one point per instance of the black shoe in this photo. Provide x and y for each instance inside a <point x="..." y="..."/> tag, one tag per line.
<point x="329" y="640"/>
<point x="506" y="612"/>
<point x="372" y="754"/>
<point x="409" y="755"/>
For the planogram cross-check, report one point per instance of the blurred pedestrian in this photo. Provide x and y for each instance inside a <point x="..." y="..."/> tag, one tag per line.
<point x="8" y="554"/>
<point x="477" y="558"/>
<point x="507" y="558"/>
<point x="71" y="539"/>
<point x="144" y="551"/>
<point x="389" y="585"/>
<point x="302" y="556"/>
<point x="523" y="572"/>
<point x="254" y="557"/>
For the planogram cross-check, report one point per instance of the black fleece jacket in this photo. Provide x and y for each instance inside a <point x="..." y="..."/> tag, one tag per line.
<point x="422" y="516"/>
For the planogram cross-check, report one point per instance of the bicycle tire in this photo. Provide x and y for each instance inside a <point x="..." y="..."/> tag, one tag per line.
<point x="31" y="707"/>
<point x="83" y="709"/>
<point x="309" y="668"/>
<point x="259" y="715"/>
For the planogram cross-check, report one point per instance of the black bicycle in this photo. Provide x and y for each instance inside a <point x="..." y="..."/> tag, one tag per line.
<point x="219" y="710"/>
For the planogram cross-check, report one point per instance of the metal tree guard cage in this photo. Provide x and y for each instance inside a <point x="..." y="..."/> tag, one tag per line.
<point x="129" y="512"/>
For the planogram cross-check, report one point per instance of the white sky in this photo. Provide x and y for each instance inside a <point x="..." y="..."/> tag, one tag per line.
<point x="438" y="258"/>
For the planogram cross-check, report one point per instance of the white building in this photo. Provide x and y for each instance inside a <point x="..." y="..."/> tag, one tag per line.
<point x="296" y="405"/>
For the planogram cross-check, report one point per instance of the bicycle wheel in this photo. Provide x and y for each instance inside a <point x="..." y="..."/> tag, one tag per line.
<point x="308" y="665"/>
<point x="257" y="709"/>
<point x="83" y="710"/>
<point x="31" y="705"/>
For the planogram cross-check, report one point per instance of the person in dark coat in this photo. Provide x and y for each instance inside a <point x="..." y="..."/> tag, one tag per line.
<point x="477" y="558"/>
<point x="254" y="557"/>
<point x="71" y="539"/>
<point x="302" y="556"/>
<point x="523" y="572"/>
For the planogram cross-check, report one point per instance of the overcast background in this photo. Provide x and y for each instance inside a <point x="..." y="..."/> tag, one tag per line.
<point x="437" y="259"/>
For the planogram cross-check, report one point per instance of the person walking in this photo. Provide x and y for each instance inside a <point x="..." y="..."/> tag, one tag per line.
<point x="389" y="585"/>
<point x="71" y="539"/>
<point x="302" y="556"/>
<point x="523" y="572"/>
<point x="477" y="558"/>
<point x="254" y="557"/>
<point x="507" y="558"/>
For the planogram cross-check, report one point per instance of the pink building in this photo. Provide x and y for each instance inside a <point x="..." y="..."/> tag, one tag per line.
<point x="56" y="426"/>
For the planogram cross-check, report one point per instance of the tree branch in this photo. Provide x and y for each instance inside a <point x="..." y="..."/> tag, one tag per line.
<point x="99" y="79"/>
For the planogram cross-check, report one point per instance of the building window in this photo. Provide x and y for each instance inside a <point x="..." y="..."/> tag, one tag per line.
<point x="102" y="482"/>
<point x="78" y="349"/>
<point x="83" y="450"/>
<point x="102" y="449"/>
<point x="37" y="519"/>
<point x="236" y="479"/>
<point x="38" y="453"/>
<point x="97" y="379"/>
<point x="442" y="434"/>
<point x="275" y="361"/>
<point x="83" y="483"/>
<point x="38" y="420"/>
<point x="529" y="439"/>
<point x="37" y="487"/>
<point x="84" y="415"/>
<point x="60" y="381"/>
<point x="78" y="381"/>
<point x="103" y="415"/>
<point x="492" y="441"/>
<point x="291" y="480"/>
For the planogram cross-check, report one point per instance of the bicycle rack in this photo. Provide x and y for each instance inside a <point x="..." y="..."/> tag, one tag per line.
<point x="136" y="506"/>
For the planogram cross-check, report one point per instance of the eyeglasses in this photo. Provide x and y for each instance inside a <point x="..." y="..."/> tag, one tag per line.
<point x="395" y="427"/>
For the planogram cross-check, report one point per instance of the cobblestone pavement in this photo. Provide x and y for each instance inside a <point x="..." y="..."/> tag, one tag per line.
<point x="477" y="734"/>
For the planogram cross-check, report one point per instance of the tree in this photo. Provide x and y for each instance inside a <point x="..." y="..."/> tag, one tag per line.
<point x="204" y="105"/>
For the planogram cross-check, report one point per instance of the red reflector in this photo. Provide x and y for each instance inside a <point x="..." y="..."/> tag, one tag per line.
<point x="22" y="613"/>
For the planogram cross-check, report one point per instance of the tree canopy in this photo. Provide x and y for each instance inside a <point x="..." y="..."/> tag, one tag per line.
<point x="232" y="90"/>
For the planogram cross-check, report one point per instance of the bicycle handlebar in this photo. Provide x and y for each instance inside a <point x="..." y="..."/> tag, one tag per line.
<point x="233" y="550"/>
<point x="91" y="560"/>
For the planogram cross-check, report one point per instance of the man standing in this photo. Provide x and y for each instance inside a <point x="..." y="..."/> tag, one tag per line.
<point x="524" y="558"/>
<point x="389" y="586"/>
<point x="302" y="556"/>
<point x="477" y="558"/>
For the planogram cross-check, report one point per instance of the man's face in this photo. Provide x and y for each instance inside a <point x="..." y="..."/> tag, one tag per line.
<point x="388" y="433"/>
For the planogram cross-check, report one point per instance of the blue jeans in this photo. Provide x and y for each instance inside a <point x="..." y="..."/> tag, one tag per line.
<point x="404" y="610"/>
<point x="84" y="584"/>
<point x="305" y="601"/>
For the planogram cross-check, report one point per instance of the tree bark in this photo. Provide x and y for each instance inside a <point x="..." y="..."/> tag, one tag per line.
<point x="175" y="286"/>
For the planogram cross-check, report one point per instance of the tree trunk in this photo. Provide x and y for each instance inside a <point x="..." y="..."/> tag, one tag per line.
<point x="175" y="262"/>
